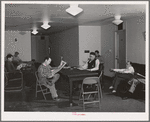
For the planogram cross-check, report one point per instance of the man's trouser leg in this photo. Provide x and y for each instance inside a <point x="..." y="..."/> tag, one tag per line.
<point x="122" y="77"/>
<point x="117" y="82"/>
<point x="113" y="83"/>
<point x="52" y="88"/>
<point x="55" y="78"/>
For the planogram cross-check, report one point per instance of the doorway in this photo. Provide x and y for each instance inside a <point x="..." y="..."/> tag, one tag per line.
<point x="120" y="49"/>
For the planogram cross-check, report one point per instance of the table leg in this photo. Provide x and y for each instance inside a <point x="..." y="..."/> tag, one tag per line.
<point x="70" y="98"/>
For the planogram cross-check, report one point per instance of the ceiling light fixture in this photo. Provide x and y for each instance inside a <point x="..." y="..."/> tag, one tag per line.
<point x="117" y="20"/>
<point x="74" y="9"/>
<point x="45" y="25"/>
<point x="34" y="32"/>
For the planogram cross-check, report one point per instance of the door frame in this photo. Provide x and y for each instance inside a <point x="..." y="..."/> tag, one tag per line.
<point x="116" y="48"/>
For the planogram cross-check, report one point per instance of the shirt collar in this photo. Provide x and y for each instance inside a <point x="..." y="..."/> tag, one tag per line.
<point x="44" y="64"/>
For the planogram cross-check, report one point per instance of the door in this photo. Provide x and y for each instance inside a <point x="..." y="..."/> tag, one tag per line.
<point x="120" y="49"/>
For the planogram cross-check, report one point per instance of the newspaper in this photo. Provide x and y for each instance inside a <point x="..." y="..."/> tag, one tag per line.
<point x="57" y="69"/>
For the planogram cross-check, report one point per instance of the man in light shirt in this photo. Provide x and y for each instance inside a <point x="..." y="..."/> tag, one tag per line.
<point x="122" y="75"/>
<point x="48" y="78"/>
<point x="16" y="57"/>
<point x="92" y="64"/>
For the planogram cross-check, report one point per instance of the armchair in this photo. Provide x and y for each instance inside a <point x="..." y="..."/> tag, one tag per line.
<point x="13" y="81"/>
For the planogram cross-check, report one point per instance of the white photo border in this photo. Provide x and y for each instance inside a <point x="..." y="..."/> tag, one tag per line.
<point x="69" y="116"/>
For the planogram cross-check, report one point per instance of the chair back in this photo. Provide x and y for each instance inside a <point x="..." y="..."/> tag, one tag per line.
<point x="92" y="80"/>
<point x="36" y="75"/>
<point x="45" y="90"/>
<point x="100" y="78"/>
<point x="13" y="82"/>
<point x="100" y="75"/>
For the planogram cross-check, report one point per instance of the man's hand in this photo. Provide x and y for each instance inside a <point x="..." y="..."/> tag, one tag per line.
<point x="50" y="83"/>
<point x="51" y="75"/>
<point x="88" y="69"/>
<point x="19" y="67"/>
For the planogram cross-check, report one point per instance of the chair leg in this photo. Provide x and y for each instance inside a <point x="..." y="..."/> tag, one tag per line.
<point x="36" y="91"/>
<point x="80" y="95"/>
<point x="83" y="98"/>
<point x="43" y="93"/>
<point x="99" y="96"/>
<point x="100" y="91"/>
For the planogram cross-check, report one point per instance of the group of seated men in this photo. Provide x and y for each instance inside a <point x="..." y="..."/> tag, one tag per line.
<point x="13" y="64"/>
<point x="11" y="60"/>
<point x="48" y="78"/>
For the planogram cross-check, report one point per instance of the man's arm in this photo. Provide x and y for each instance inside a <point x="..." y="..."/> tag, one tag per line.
<point x="85" y="66"/>
<point x="19" y="59"/>
<point x="129" y="70"/>
<point x="118" y="70"/>
<point x="46" y="73"/>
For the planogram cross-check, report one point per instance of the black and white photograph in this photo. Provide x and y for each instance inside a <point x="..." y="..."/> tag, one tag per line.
<point x="74" y="60"/>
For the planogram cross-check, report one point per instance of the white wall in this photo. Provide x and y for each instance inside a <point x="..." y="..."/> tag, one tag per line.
<point x="22" y="45"/>
<point x="135" y="39"/>
<point x="108" y="47"/>
<point x="89" y="39"/>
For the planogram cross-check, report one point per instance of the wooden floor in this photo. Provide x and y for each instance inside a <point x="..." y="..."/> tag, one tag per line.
<point x="109" y="102"/>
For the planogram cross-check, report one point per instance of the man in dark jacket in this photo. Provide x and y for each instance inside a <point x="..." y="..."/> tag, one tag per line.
<point x="10" y="66"/>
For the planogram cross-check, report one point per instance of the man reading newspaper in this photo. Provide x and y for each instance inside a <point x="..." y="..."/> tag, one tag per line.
<point x="48" y="76"/>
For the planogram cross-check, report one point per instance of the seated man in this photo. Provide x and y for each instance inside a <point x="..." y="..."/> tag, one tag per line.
<point x="122" y="75"/>
<point x="16" y="59"/>
<point x="13" y="71"/>
<point x="9" y="65"/>
<point x="10" y="70"/>
<point x="47" y="77"/>
<point x="92" y="64"/>
<point x="99" y="57"/>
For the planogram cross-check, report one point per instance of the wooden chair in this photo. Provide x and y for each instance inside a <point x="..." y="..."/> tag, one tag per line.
<point x="97" y="91"/>
<point x="42" y="88"/>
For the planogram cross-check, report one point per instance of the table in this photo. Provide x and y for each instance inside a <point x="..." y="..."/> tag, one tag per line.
<point x="73" y="75"/>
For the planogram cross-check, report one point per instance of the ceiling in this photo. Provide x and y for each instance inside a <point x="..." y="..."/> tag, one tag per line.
<point x="24" y="17"/>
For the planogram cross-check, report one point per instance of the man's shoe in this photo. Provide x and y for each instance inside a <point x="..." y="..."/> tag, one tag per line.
<point x="56" y="99"/>
<point x="114" y="91"/>
<point x="111" y="87"/>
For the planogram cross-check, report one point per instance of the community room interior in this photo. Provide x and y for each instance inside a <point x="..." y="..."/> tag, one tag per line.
<point x="74" y="37"/>
<point x="70" y="36"/>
